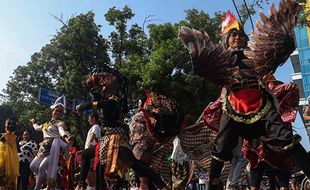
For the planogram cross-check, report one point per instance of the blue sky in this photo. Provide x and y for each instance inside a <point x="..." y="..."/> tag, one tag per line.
<point x="26" y="26"/>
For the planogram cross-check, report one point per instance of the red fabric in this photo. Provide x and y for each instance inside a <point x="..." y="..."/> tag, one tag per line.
<point x="77" y="160"/>
<point x="246" y="100"/>
<point x="288" y="104"/>
<point x="213" y="112"/>
<point x="65" y="175"/>
<point x="288" y="100"/>
<point x="262" y="153"/>
<point x="212" y="115"/>
<point x="73" y="150"/>
<point x="251" y="155"/>
<point x="96" y="159"/>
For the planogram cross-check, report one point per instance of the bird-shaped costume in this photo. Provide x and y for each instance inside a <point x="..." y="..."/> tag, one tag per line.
<point x="250" y="110"/>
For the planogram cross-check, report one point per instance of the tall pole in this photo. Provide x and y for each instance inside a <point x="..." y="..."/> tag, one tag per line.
<point x="237" y="11"/>
<point x="247" y="9"/>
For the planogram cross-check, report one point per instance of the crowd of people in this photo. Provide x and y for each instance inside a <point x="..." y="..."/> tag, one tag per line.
<point x="251" y="120"/>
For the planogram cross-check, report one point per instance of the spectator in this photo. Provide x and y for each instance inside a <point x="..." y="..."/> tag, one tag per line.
<point x="238" y="165"/>
<point x="94" y="132"/>
<point x="9" y="163"/>
<point x="28" y="149"/>
<point x="87" y="155"/>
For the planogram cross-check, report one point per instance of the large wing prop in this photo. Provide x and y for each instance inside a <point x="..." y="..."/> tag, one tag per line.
<point x="274" y="40"/>
<point x="215" y="63"/>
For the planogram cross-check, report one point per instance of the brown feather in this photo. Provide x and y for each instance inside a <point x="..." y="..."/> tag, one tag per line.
<point x="274" y="41"/>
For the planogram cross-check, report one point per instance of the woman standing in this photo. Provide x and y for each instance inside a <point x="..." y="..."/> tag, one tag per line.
<point x="28" y="148"/>
<point x="8" y="156"/>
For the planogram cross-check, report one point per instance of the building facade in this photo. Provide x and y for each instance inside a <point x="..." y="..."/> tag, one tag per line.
<point x="301" y="64"/>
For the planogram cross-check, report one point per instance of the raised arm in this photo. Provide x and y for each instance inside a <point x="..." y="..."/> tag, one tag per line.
<point x="213" y="62"/>
<point x="34" y="124"/>
<point x="274" y="40"/>
<point x="104" y="104"/>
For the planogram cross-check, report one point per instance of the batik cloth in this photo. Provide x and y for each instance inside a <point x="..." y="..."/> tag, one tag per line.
<point x="107" y="151"/>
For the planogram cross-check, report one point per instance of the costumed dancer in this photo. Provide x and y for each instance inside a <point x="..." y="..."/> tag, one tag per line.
<point x="45" y="164"/>
<point x="262" y="158"/>
<point x="113" y="152"/>
<point x="9" y="163"/>
<point x="249" y="110"/>
<point x="152" y="131"/>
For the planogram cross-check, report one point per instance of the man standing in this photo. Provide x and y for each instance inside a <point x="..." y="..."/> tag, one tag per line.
<point x="93" y="135"/>
<point x="238" y="165"/>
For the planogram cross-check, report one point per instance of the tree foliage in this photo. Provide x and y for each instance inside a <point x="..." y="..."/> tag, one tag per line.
<point x="304" y="17"/>
<point x="155" y="60"/>
<point x="75" y="50"/>
<point x="119" y="38"/>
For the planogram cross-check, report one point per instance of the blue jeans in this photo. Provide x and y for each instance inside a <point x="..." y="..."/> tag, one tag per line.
<point x="238" y="165"/>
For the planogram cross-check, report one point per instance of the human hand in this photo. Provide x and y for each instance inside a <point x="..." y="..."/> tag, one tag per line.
<point x="78" y="109"/>
<point x="32" y="121"/>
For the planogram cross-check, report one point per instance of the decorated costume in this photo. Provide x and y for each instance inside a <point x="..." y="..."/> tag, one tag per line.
<point x="249" y="109"/>
<point x="9" y="163"/>
<point x="288" y="100"/>
<point x="263" y="158"/>
<point x="196" y="141"/>
<point x="162" y="125"/>
<point x="152" y="130"/>
<point x="45" y="164"/>
<point x="113" y="153"/>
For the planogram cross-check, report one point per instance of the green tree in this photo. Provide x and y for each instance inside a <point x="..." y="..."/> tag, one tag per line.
<point x="304" y="17"/>
<point x="75" y="50"/>
<point x="155" y="60"/>
<point x="161" y="63"/>
<point x="169" y="68"/>
<point x="118" y="38"/>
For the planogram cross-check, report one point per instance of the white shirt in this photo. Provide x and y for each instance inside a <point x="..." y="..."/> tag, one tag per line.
<point x="95" y="129"/>
<point x="51" y="129"/>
